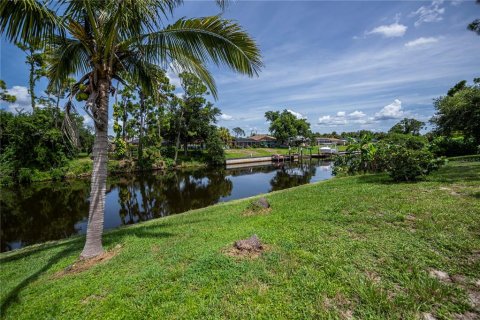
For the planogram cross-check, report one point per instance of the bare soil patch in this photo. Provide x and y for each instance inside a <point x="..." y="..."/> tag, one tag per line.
<point x="84" y="264"/>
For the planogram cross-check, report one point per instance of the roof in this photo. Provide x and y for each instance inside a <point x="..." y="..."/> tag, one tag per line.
<point x="262" y="137"/>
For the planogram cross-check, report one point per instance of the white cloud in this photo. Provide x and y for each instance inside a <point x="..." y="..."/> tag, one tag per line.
<point x="342" y="118"/>
<point x="390" y="31"/>
<point x="297" y="114"/>
<point x="332" y="120"/>
<point x="356" y="114"/>
<point x="431" y="13"/>
<point x="226" y="117"/>
<point x="23" y="99"/>
<point x="391" y="111"/>
<point x="421" y="41"/>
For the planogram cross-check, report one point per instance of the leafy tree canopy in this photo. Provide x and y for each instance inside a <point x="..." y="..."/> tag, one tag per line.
<point x="285" y="126"/>
<point x="408" y="126"/>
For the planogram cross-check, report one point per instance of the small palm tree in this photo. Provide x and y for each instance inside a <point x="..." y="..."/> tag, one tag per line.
<point x="105" y="40"/>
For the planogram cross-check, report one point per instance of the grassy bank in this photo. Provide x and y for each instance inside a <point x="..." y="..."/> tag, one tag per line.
<point x="262" y="152"/>
<point x="357" y="247"/>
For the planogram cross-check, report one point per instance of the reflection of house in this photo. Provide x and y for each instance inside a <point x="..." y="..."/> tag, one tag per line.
<point x="257" y="140"/>
<point x="336" y="141"/>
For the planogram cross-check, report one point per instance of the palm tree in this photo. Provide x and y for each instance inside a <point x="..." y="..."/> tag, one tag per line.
<point x="105" y="40"/>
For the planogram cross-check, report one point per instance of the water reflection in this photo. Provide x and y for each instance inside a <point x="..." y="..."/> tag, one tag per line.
<point x="49" y="211"/>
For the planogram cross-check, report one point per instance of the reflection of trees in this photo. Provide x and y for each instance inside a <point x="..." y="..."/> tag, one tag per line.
<point x="169" y="193"/>
<point x="42" y="212"/>
<point x="293" y="174"/>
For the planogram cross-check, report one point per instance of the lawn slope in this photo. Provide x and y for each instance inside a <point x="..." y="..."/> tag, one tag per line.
<point x="350" y="247"/>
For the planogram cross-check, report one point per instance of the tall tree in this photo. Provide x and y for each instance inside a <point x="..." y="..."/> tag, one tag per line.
<point x="475" y="24"/>
<point x="238" y="132"/>
<point x="105" y="40"/>
<point x="408" y="126"/>
<point x="285" y="126"/>
<point x="36" y="61"/>
<point x="459" y="112"/>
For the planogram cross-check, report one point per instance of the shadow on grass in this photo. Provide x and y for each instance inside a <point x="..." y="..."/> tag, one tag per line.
<point x="69" y="248"/>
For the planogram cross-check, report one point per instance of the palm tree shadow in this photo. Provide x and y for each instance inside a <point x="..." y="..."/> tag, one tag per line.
<point x="12" y="296"/>
<point x="153" y="231"/>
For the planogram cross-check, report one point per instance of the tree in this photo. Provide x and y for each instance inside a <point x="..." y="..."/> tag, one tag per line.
<point x="106" y="40"/>
<point x="285" y="126"/>
<point x="475" y="24"/>
<point x="408" y="126"/>
<point x="459" y="112"/>
<point x="36" y="60"/>
<point x="238" y="132"/>
<point x="4" y="95"/>
<point x="225" y="136"/>
<point x="196" y="113"/>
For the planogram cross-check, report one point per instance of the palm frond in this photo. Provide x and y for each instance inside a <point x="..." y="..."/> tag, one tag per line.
<point x="214" y="39"/>
<point x="24" y="20"/>
<point x="67" y="57"/>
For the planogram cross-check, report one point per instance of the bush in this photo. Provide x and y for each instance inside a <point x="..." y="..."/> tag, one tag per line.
<point x="403" y="164"/>
<point x="451" y="147"/>
<point x="57" y="174"/>
<point x="215" y="153"/>
<point x="25" y="175"/>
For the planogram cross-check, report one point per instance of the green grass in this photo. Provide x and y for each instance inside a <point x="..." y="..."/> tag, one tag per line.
<point x="358" y="246"/>
<point x="263" y="152"/>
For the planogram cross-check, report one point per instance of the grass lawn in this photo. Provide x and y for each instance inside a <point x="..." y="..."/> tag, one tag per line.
<point x="355" y="247"/>
<point x="261" y="152"/>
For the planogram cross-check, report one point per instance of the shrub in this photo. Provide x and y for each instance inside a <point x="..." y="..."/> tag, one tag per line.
<point x="453" y="146"/>
<point x="25" y="175"/>
<point x="57" y="174"/>
<point x="215" y="153"/>
<point x="403" y="164"/>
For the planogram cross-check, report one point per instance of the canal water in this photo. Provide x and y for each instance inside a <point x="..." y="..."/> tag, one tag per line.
<point x="55" y="210"/>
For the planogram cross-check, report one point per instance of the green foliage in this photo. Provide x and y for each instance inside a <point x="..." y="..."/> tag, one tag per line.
<point x="120" y="148"/>
<point x="238" y="132"/>
<point x="404" y="164"/>
<point x="408" y="126"/>
<point x="57" y="174"/>
<point x="25" y="175"/>
<point x="285" y="126"/>
<point x="453" y="146"/>
<point x="404" y="157"/>
<point x="35" y="141"/>
<point x="214" y="147"/>
<point x="459" y="111"/>
<point x="4" y="96"/>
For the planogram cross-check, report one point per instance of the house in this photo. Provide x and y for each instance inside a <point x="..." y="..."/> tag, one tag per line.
<point x="257" y="140"/>
<point x="323" y="141"/>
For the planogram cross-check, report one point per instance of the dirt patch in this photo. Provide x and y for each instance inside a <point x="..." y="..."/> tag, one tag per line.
<point x="341" y="305"/>
<point x="85" y="264"/>
<point x="257" y="207"/>
<point x="428" y="316"/>
<point x="93" y="297"/>
<point x="247" y="248"/>
<point x="440" y="275"/>
<point x="466" y="316"/>
<point x="248" y="213"/>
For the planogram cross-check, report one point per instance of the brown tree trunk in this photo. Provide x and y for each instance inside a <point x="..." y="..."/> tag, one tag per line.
<point x="93" y="244"/>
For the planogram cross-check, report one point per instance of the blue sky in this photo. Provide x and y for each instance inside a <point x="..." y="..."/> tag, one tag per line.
<point x="342" y="65"/>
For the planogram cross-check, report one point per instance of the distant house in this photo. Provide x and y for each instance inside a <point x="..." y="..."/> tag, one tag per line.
<point x="322" y="141"/>
<point x="257" y="140"/>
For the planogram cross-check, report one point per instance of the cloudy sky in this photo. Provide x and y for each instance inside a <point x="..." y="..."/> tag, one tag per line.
<point x="343" y="65"/>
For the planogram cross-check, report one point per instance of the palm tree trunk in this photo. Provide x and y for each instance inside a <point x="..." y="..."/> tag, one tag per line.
<point x="93" y="245"/>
